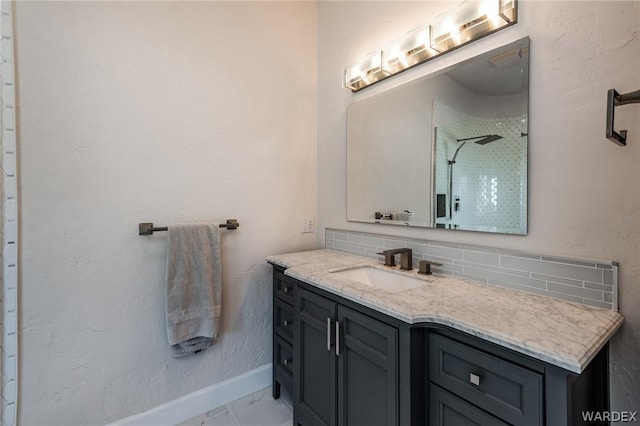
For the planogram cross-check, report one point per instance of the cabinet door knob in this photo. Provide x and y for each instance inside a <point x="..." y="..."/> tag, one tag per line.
<point x="286" y="361"/>
<point x="474" y="379"/>
<point x="285" y="323"/>
<point x="285" y="289"/>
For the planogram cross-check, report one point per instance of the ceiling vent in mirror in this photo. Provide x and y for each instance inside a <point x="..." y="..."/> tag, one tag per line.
<point x="468" y="22"/>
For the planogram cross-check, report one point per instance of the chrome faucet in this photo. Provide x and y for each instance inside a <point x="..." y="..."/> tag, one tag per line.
<point x="406" y="258"/>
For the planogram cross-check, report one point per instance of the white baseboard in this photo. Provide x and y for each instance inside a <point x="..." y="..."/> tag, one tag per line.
<point x="203" y="400"/>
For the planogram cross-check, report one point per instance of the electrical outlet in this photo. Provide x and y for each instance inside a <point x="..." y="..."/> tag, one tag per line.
<point x="307" y="225"/>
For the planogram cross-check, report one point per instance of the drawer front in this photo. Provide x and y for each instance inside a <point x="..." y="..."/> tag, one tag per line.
<point x="506" y="390"/>
<point x="283" y="287"/>
<point x="446" y="409"/>
<point x="284" y="355"/>
<point x="283" y="319"/>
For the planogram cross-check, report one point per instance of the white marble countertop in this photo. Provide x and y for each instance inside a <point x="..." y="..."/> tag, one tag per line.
<point x="564" y="334"/>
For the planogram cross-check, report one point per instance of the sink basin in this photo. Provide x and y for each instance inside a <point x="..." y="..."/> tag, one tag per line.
<point x="386" y="280"/>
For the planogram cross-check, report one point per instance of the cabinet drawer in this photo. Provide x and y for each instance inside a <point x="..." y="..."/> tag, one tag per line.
<point x="283" y="287"/>
<point x="283" y="320"/>
<point x="449" y="410"/>
<point x="283" y="353"/>
<point x="506" y="390"/>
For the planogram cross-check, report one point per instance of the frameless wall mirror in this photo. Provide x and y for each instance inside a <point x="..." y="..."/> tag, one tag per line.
<point x="448" y="150"/>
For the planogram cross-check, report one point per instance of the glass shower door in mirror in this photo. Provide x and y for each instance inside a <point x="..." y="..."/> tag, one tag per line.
<point x="480" y="171"/>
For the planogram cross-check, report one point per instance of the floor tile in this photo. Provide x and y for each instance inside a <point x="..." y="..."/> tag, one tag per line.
<point x="260" y="409"/>
<point x="225" y="418"/>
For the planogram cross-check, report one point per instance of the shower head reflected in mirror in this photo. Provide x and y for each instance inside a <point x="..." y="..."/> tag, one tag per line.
<point x="483" y="140"/>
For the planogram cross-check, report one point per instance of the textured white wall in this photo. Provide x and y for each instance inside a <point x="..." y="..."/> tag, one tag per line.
<point x="163" y="112"/>
<point x="583" y="191"/>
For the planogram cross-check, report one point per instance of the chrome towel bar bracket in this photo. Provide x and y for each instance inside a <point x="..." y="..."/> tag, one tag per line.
<point x="147" y="228"/>
<point x="615" y="99"/>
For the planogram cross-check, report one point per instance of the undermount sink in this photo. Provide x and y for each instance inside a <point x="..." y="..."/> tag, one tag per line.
<point x="386" y="280"/>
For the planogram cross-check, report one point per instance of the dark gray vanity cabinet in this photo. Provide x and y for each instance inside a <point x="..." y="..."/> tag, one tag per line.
<point x="346" y="370"/>
<point x="349" y="365"/>
<point x="283" y="361"/>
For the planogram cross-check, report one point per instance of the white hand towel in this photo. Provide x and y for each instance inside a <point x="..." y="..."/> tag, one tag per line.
<point x="193" y="287"/>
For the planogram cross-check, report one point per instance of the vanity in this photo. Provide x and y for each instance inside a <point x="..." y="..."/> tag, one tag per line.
<point x="431" y="349"/>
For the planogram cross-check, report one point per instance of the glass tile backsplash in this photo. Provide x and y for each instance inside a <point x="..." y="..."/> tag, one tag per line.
<point x="593" y="283"/>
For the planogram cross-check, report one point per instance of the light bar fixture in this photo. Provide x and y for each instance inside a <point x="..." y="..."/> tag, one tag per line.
<point x="365" y="72"/>
<point x="468" y="22"/>
<point x="411" y="49"/>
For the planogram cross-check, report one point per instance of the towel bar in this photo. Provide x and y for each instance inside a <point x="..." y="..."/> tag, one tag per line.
<point x="147" y="228"/>
<point x="615" y="99"/>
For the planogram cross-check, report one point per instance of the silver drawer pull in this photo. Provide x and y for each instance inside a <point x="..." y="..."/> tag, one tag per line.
<point x="285" y="289"/>
<point x="474" y="379"/>
<point x="337" y="338"/>
<point x="286" y="361"/>
<point x="285" y="323"/>
<point x="328" y="334"/>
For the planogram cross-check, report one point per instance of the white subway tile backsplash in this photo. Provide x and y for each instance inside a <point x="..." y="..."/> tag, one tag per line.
<point x="558" y="280"/>
<point x="507" y="278"/>
<point x="450" y="268"/>
<point x="601" y="287"/>
<point x="484" y="258"/>
<point x="572" y="262"/>
<point x="552" y="268"/>
<point x="596" y="304"/>
<point x="576" y="280"/>
<point x="365" y="241"/>
<point x="493" y="269"/>
<point x="576" y="291"/>
<point x="471" y="277"/>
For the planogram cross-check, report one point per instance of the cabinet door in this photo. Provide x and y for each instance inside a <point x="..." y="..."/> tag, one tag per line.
<point x="367" y="370"/>
<point x="315" y="367"/>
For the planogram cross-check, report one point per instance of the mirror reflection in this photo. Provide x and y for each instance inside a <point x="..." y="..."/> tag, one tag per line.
<point x="447" y="150"/>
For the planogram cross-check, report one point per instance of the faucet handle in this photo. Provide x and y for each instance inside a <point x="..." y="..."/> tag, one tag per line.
<point x="389" y="258"/>
<point x="424" y="267"/>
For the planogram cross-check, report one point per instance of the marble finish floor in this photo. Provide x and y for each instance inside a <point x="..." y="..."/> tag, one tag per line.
<point x="257" y="409"/>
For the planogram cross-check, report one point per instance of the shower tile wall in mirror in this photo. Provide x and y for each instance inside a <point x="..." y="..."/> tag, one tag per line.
<point x="488" y="180"/>
<point x="447" y="150"/>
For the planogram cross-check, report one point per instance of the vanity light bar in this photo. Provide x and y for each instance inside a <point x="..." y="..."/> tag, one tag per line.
<point x="411" y="49"/>
<point x="365" y="72"/>
<point x="468" y="22"/>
